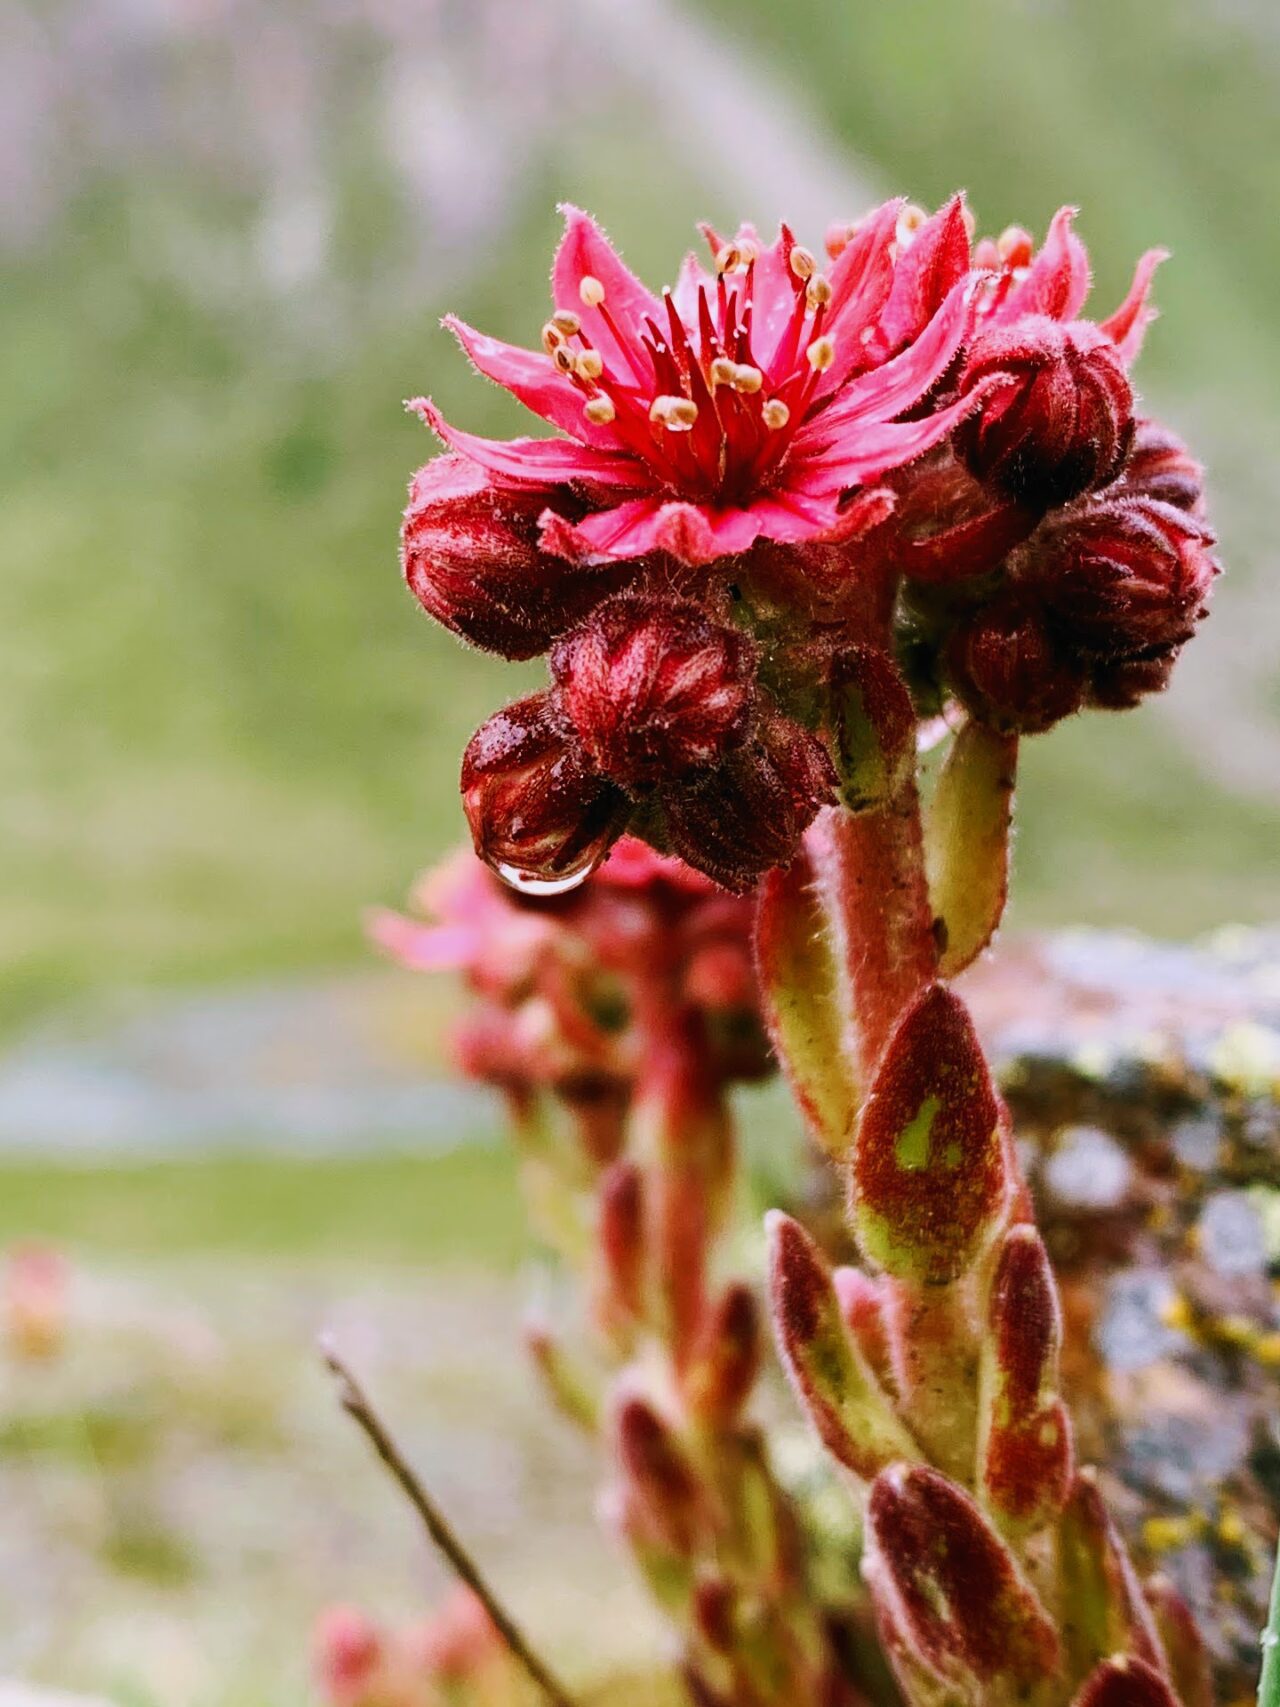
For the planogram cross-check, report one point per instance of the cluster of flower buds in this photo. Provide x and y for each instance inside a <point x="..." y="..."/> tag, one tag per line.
<point x="756" y="467"/>
<point x="33" y="1301"/>
<point x="453" y="1658"/>
<point x="931" y="1376"/>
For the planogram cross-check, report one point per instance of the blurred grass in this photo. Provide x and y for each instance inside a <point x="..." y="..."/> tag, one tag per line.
<point x="225" y="728"/>
<point x="462" y="1209"/>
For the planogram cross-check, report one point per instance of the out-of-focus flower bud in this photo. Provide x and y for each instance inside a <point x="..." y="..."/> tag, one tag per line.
<point x="659" y="1475"/>
<point x="749" y="813"/>
<point x="535" y="806"/>
<point x="834" y="1382"/>
<point x="1026" y="1451"/>
<point x="597" y="1104"/>
<point x="620" y="1248"/>
<point x="469" y="548"/>
<point x="571" y="1387"/>
<point x="1124" y="1682"/>
<point x="349" y="1652"/>
<point x="928" y="1179"/>
<point x="714" y="1607"/>
<point x="1003" y="666"/>
<point x="1160" y="466"/>
<point x="952" y="1605"/>
<point x="457" y="1642"/>
<point x="34" y="1301"/>
<point x="654" y="688"/>
<point x="1125" y="575"/>
<point x="1063" y="422"/>
<point x="726" y="1357"/>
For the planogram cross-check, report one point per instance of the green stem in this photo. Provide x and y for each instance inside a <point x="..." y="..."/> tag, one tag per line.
<point x="1269" y="1684"/>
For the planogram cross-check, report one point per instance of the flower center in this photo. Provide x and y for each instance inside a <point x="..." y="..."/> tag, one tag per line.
<point x="711" y="418"/>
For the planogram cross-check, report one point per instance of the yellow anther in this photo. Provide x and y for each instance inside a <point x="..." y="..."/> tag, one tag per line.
<point x="775" y="414"/>
<point x="909" y="222"/>
<point x="564" y="359"/>
<point x="552" y="337"/>
<point x="747" y="253"/>
<point x="590" y="290"/>
<point x="1015" y="246"/>
<point x="566" y="321"/>
<point x="589" y="364"/>
<point x="722" y="371"/>
<point x="802" y="262"/>
<point x="727" y="258"/>
<point x="747" y="378"/>
<point x="599" y="411"/>
<point x="819" y="291"/>
<point x="676" y="414"/>
<point x="821" y="353"/>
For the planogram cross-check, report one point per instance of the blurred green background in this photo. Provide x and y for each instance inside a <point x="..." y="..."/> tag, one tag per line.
<point x="231" y="231"/>
<point x="228" y="232"/>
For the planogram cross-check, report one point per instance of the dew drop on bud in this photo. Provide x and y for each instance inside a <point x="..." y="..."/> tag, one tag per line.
<point x="525" y="883"/>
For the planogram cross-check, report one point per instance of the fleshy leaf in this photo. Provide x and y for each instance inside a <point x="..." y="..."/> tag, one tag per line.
<point x="947" y="1584"/>
<point x="928" y="1180"/>
<point x="966" y="842"/>
<point x="832" y="1379"/>
<point x="1184" y="1646"/>
<point x="1109" y="1614"/>
<point x="1123" y="1682"/>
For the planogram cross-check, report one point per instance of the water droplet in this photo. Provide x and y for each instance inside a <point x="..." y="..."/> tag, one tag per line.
<point x="526" y="884"/>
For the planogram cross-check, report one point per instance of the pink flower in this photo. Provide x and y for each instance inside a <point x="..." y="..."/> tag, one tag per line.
<point x="742" y="404"/>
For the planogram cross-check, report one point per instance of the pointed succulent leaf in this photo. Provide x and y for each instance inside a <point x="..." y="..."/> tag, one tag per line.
<point x="951" y="1588"/>
<point x="966" y="842"/>
<point x="658" y="1474"/>
<point x="1097" y="1582"/>
<point x="726" y="1357"/>
<point x="1124" y="1682"/>
<point x="1025" y="1456"/>
<point x="832" y="1379"/>
<point x="928" y="1181"/>
<point x="1184" y="1646"/>
<point x="804" y="1000"/>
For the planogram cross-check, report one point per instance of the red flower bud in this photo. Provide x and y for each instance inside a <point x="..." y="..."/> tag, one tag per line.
<point x="1063" y="422"/>
<point x="470" y="553"/>
<point x="349" y="1653"/>
<point x="1118" y="684"/>
<point x="1160" y="466"/>
<point x="534" y="805"/>
<point x="654" y="688"/>
<point x="1124" y="576"/>
<point x="748" y="814"/>
<point x="952" y="1603"/>
<point x="1004" y="667"/>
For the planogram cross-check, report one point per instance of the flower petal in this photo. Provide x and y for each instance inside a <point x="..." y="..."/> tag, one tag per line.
<point x="691" y="278"/>
<point x="698" y="533"/>
<point x="541" y="462"/>
<point x="1128" y="325"/>
<point x="534" y="378"/>
<point x="422" y="948"/>
<point x="889" y="390"/>
<point x="937" y="260"/>
<point x="822" y="464"/>
<point x="862" y="275"/>
<point x="585" y="252"/>
<point x="1057" y="281"/>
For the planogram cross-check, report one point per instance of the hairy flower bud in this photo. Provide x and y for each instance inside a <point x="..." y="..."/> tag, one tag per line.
<point x="1118" y="684"/>
<point x="1125" y="576"/>
<point x="534" y="805"/>
<point x="349" y="1652"/>
<point x="1062" y="423"/>
<point x="749" y="813"/>
<point x="1160" y="466"/>
<point x="1003" y="666"/>
<point x="470" y="553"/>
<point x="1124" y="1682"/>
<point x="654" y="688"/>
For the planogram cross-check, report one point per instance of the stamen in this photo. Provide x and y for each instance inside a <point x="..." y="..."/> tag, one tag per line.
<point x="775" y="414"/>
<point x="1015" y="246"/>
<point x="839" y="236"/>
<point x="909" y="222"/>
<point x="746" y="377"/>
<point x="722" y="371"/>
<point x="552" y="337"/>
<point x="590" y="290"/>
<point x="564" y="358"/>
<point x="747" y="253"/>
<point x="819" y="291"/>
<point x="589" y="364"/>
<point x="821" y="353"/>
<point x="727" y="258"/>
<point x="676" y="414"/>
<point x="802" y="262"/>
<point x="566" y="321"/>
<point x="599" y="410"/>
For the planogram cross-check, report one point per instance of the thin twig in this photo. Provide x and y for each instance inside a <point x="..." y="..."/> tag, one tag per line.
<point x="357" y="1405"/>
